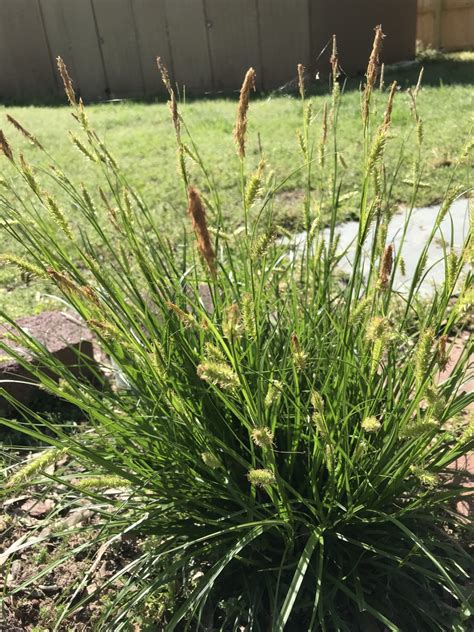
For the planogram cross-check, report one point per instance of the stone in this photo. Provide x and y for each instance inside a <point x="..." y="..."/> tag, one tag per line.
<point x="63" y="335"/>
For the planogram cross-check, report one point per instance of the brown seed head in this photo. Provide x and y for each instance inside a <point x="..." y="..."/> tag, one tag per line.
<point x="62" y="280"/>
<point x="334" y="59"/>
<point x="241" y="123"/>
<point x="5" y="146"/>
<point x="173" y="104"/>
<point x="442" y="353"/>
<point x="386" y="267"/>
<point x="372" y="69"/>
<point x="24" y="131"/>
<point x="301" y="73"/>
<point x="67" y="81"/>
<point x="374" y="60"/>
<point x="198" y="215"/>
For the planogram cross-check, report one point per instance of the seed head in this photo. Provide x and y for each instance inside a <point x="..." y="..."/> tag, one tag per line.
<point x="317" y="401"/>
<point x="85" y="151"/>
<point x="262" y="437"/>
<point x="371" y="424"/>
<point x="101" y="482"/>
<point x="22" y="264"/>
<point x="334" y="61"/>
<point x="173" y="105"/>
<point x="248" y="316"/>
<point x="198" y="215"/>
<point x="452" y="270"/>
<point x="254" y="185"/>
<point x="423" y="355"/>
<point x="388" y="112"/>
<point x="372" y="69"/>
<point x="188" y="320"/>
<point x="68" y="88"/>
<point x="210" y="460"/>
<point x="261" y="477"/>
<point x="424" y="476"/>
<point x="241" y="123"/>
<point x="5" y="148"/>
<point x="232" y="325"/>
<point x="442" y="353"/>
<point x="274" y="393"/>
<point x="414" y="430"/>
<point x="261" y="246"/>
<point x="378" y="328"/>
<point x="57" y="215"/>
<point x="360" y="310"/>
<point x="468" y="434"/>
<point x="28" y="135"/>
<point x="218" y="374"/>
<point x="214" y="353"/>
<point x="324" y="135"/>
<point x="36" y="465"/>
<point x="299" y="356"/>
<point x="403" y="268"/>
<point x="301" y="73"/>
<point x="386" y="268"/>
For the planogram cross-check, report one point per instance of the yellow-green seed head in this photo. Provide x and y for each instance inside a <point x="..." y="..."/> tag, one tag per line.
<point x="248" y="316"/>
<point x="273" y="395"/>
<point x="423" y="355"/>
<point x="262" y="437"/>
<point x="23" y="265"/>
<point x="436" y="402"/>
<point x="261" y="477"/>
<point x="378" y="328"/>
<point x="317" y="401"/>
<point x="218" y="374"/>
<point x="210" y="460"/>
<point x="360" y="310"/>
<point x="371" y="424"/>
<point x="214" y="353"/>
<point x="232" y="325"/>
<point x="254" y="185"/>
<point x="36" y="465"/>
<point x="414" y="430"/>
<point x="101" y="482"/>
<point x="262" y="244"/>
<point x="424" y="476"/>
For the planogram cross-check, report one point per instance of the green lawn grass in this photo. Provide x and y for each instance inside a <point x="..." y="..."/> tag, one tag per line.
<point x="140" y="137"/>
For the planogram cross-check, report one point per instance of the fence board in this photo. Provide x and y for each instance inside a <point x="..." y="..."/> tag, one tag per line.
<point x="111" y="45"/>
<point x="189" y="44"/>
<point x="457" y="26"/>
<point x="71" y="33"/>
<point x="150" y="19"/>
<point x="26" y="67"/>
<point x="285" y="39"/>
<point x="447" y="24"/>
<point x="118" y="37"/>
<point x="232" y="26"/>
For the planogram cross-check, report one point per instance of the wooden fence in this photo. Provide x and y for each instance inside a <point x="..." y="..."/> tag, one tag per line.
<point x="110" y="46"/>
<point x="446" y="24"/>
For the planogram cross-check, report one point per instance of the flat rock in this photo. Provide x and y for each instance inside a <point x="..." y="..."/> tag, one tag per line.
<point x="63" y="335"/>
<point x="38" y="508"/>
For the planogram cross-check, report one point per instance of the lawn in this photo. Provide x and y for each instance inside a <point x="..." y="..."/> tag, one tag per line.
<point x="138" y="136"/>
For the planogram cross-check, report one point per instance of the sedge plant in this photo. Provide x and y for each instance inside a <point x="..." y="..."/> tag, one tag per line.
<point x="280" y="432"/>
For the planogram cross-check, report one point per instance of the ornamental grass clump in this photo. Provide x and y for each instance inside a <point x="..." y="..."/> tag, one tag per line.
<point x="279" y="433"/>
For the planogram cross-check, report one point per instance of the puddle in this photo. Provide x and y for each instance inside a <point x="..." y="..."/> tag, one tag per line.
<point x="455" y="225"/>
